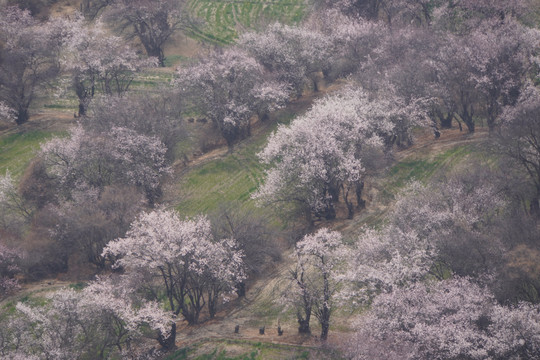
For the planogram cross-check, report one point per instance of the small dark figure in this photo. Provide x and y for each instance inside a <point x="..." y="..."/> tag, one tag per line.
<point x="237" y="329"/>
<point x="437" y="134"/>
<point x="261" y="330"/>
<point x="279" y="331"/>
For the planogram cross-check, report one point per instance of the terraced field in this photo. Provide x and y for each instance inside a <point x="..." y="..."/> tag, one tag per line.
<point x="223" y="20"/>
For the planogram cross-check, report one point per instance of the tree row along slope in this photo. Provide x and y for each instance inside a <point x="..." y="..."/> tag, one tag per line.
<point x="427" y="158"/>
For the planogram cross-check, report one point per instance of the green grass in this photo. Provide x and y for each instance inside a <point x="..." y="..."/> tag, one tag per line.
<point x="17" y="150"/>
<point x="78" y="285"/>
<point x="232" y="178"/>
<point x="224" y="20"/>
<point x="422" y="168"/>
<point x="173" y="60"/>
<point x="226" y="349"/>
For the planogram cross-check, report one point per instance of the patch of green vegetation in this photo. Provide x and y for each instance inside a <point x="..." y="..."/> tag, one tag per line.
<point x="222" y="355"/>
<point x="78" y="286"/>
<point x="232" y="178"/>
<point x="228" y="349"/>
<point x="58" y="106"/>
<point x="422" y="168"/>
<point x="17" y="150"/>
<point x="222" y="20"/>
<point x="181" y="354"/>
<point x="173" y="60"/>
<point x="34" y="301"/>
<point x="8" y="309"/>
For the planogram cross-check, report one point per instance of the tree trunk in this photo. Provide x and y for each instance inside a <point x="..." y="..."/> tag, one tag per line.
<point x="467" y="114"/>
<point x="82" y="109"/>
<point x="22" y="116"/>
<point x="156" y="52"/>
<point x="303" y="324"/>
<point x="241" y="289"/>
<point x="168" y="342"/>
<point x="534" y="208"/>
<point x="446" y="121"/>
<point x="330" y="211"/>
<point x="361" y="204"/>
<point x="350" y="210"/>
<point x="324" y="318"/>
<point x="324" y="331"/>
<point x="350" y="206"/>
<point x="212" y="303"/>
<point x="192" y="309"/>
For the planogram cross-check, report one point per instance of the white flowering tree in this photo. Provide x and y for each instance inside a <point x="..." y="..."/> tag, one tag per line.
<point x="29" y="59"/>
<point x="230" y="88"/>
<point x="292" y="53"/>
<point x="14" y="212"/>
<point x="102" y="320"/>
<point x="9" y="267"/>
<point x="315" y="279"/>
<point x="518" y="138"/>
<point x="357" y="41"/>
<point x="450" y="319"/>
<point x="7" y="114"/>
<point x="121" y="156"/>
<point x="157" y="114"/>
<point x="386" y="259"/>
<point x="505" y="58"/>
<point x="99" y="61"/>
<point x="458" y="217"/>
<point x="434" y="231"/>
<point x="190" y="266"/>
<point x="93" y="217"/>
<point x="325" y="155"/>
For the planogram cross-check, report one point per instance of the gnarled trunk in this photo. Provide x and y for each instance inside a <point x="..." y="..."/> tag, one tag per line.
<point x="168" y="342"/>
<point x="303" y="323"/>
<point x="361" y="204"/>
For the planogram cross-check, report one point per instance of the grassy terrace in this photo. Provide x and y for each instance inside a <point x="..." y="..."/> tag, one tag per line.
<point x="232" y="178"/>
<point x="422" y="168"/>
<point x="18" y="149"/>
<point x="222" y="349"/>
<point x="224" y="19"/>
